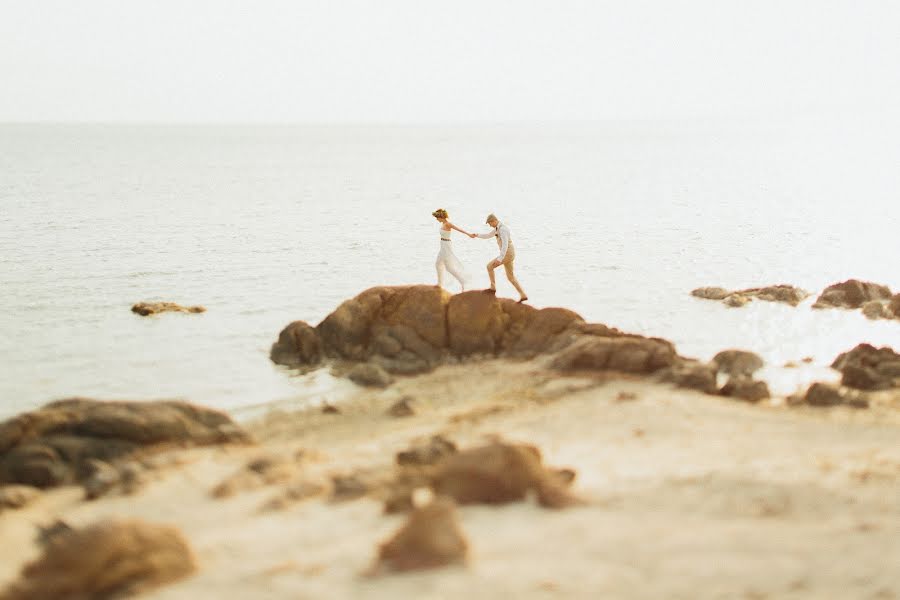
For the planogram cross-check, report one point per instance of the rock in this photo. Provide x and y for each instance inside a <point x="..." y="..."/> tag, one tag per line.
<point x="428" y="453"/>
<point x="298" y="345"/>
<point x="294" y="494"/>
<point x="738" y="362"/>
<point x="628" y="354"/>
<point x="369" y="375"/>
<point x="476" y="323"/>
<point x="746" y="388"/>
<point x="530" y="332"/>
<point x="102" y="478"/>
<point x="154" y="308"/>
<point x="330" y="409"/>
<point x="692" y="375"/>
<point x="874" y="309"/>
<point x="112" y="559"/>
<point x="826" y="394"/>
<point x="851" y="294"/>
<point x="47" y="533"/>
<point x="17" y="496"/>
<point x="257" y="473"/>
<point x="402" y="407"/>
<point x="54" y="444"/>
<point x="350" y="487"/>
<point x="894" y="306"/>
<point x="786" y="294"/>
<point x="868" y="368"/>
<point x="499" y="473"/>
<point x="430" y="538"/>
<point x="711" y="293"/>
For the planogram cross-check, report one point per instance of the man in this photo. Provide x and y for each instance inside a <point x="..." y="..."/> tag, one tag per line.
<point x="507" y="256"/>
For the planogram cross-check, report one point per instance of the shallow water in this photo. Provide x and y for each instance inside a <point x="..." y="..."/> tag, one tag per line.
<point x="265" y="225"/>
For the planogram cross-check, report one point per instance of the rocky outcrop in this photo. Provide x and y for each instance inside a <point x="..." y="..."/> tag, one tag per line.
<point x="412" y="329"/>
<point x="431" y="537"/>
<point x="114" y="559"/>
<point x="826" y="394"/>
<point x="869" y="368"/>
<point x="852" y="294"/>
<point x="737" y="362"/>
<point x="786" y="294"/>
<point x="154" y="308"/>
<point x="744" y="387"/>
<point x="692" y="374"/>
<point x="55" y="444"/>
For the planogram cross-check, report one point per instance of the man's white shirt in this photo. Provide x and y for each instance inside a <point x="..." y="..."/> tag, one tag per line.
<point x="503" y="232"/>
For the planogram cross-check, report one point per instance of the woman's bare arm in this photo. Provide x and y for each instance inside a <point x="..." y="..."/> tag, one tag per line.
<point x="452" y="226"/>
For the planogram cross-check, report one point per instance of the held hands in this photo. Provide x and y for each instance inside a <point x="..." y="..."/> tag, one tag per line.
<point x="472" y="235"/>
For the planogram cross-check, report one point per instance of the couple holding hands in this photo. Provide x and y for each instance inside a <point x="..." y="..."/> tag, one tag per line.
<point x="447" y="260"/>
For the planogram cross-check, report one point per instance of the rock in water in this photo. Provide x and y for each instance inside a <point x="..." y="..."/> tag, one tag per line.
<point x="113" y="559"/>
<point x="154" y="308"/>
<point x="852" y="294"/>
<point x="869" y="368"/>
<point x="873" y="309"/>
<point x="746" y="388"/>
<point x="430" y="538"/>
<point x="786" y="294"/>
<point x="54" y="444"/>
<point x="711" y="293"/>
<point x="738" y="362"/>
<point x="298" y="344"/>
<point x="628" y="354"/>
<point x="692" y="375"/>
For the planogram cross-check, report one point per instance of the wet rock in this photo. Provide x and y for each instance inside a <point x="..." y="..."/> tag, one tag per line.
<point x="298" y="345"/>
<point x="17" y="496"/>
<point x="873" y="309"/>
<point x="369" y="375"/>
<point x="430" y="538"/>
<point x="785" y="294"/>
<point x="402" y="407"/>
<point x="868" y="368"/>
<point x="628" y="354"/>
<point x="113" y="559"/>
<point x="692" y="375"/>
<point x="852" y="294"/>
<point x="53" y="445"/>
<point x="737" y="362"/>
<point x="154" y="308"/>
<point x="711" y="293"/>
<point x="743" y="387"/>
<point x="428" y="453"/>
<point x="499" y="473"/>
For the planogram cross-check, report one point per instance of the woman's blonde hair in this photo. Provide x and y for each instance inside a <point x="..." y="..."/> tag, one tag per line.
<point x="440" y="214"/>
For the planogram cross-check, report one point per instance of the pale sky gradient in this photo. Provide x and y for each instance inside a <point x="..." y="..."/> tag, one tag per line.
<point x="459" y="60"/>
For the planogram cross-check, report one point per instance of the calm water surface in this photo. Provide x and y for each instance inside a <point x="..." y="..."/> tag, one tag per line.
<point x="265" y="225"/>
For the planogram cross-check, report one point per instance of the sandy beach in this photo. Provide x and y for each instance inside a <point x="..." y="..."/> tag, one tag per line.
<point x="684" y="495"/>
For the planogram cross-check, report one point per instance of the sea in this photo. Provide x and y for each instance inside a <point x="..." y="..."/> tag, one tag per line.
<point x="267" y="224"/>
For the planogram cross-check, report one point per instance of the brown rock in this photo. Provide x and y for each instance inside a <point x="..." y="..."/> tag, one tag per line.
<point x="53" y="445"/>
<point x="294" y="494"/>
<point x="826" y="394"/>
<point x="428" y="453"/>
<point x="894" y="306"/>
<point x="737" y="300"/>
<point x="154" y="308"/>
<point x="869" y="368"/>
<point x="430" y="538"/>
<point x="17" y="496"/>
<point x="692" y="375"/>
<point x="851" y="294"/>
<point x="628" y="354"/>
<point x="476" y="323"/>
<point x="499" y="473"/>
<point x="113" y="559"/>
<point x="710" y="293"/>
<point x="259" y="472"/>
<point x="746" y="388"/>
<point x="531" y="332"/>
<point x="874" y="309"/>
<point x="738" y="362"/>
<point x="298" y="344"/>
<point x="786" y="294"/>
<point x="402" y="407"/>
<point x="369" y="375"/>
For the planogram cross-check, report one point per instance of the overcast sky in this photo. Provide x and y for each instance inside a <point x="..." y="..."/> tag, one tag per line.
<point x="459" y="60"/>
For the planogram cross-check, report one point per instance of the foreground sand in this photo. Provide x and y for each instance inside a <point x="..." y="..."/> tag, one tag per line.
<point x="689" y="496"/>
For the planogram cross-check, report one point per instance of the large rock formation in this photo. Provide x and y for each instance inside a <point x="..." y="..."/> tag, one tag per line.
<point x="786" y="294"/>
<point x="55" y="444"/>
<point x="146" y="309"/>
<point x="852" y="294"/>
<point x="114" y="559"/>
<point x="869" y="368"/>
<point x="412" y="329"/>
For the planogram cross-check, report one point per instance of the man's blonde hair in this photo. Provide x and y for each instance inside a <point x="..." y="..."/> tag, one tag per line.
<point x="491" y="217"/>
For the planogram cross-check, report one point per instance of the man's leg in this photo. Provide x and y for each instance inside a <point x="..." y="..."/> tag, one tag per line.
<point x="490" y="269"/>
<point x="511" y="275"/>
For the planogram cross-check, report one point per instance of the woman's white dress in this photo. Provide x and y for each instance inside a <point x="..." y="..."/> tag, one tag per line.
<point x="447" y="261"/>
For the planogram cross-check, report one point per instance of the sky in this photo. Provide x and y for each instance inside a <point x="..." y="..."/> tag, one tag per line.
<point x="443" y="61"/>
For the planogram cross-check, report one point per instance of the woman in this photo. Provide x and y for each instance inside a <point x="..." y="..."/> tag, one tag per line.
<point x="446" y="260"/>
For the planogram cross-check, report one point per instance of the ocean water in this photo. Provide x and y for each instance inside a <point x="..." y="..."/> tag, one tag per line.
<point x="264" y="225"/>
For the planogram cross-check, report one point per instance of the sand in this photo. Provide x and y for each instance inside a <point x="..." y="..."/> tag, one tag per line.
<point x="686" y="496"/>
